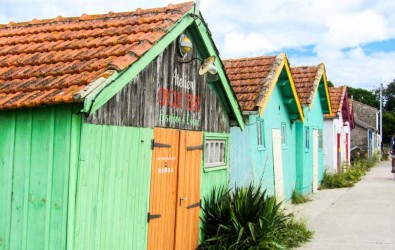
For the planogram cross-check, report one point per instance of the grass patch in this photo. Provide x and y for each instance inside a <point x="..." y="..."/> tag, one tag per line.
<point x="247" y="218"/>
<point x="298" y="198"/>
<point x="296" y="234"/>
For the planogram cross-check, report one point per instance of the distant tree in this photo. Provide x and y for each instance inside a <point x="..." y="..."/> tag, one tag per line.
<point x="330" y="84"/>
<point x="365" y="96"/>
<point x="389" y="97"/>
<point x="388" y="126"/>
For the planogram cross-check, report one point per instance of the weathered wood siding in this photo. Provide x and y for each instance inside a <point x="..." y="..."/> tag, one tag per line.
<point x="167" y="94"/>
<point x="36" y="157"/>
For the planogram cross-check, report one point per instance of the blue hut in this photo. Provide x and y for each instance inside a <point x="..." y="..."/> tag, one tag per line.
<point x="312" y="89"/>
<point x="265" y="151"/>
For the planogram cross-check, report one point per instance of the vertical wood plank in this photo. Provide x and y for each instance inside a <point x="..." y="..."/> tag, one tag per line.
<point x="22" y="154"/>
<point x="58" y="193"/>
<point x="75" y="140"/>
<point x="41" y="155"/>
<point x="7" y="142"/>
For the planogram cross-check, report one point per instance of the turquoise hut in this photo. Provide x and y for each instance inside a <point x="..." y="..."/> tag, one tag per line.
<point x="264" y="153"/>
<point x="312" y="89"/>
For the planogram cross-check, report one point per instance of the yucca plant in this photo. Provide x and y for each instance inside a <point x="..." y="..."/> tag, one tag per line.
<point x="246" y="218"/>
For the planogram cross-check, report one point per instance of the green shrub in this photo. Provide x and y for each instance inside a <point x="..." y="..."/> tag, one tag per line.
<point x="247" y="219"/>
<point x="376" y="156"/>
<point x="353" y="174"/>
<point x="298" y="198"/>
<point x="335" y="180"/>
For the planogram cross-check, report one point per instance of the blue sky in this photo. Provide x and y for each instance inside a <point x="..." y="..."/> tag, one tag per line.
<point x="355" y="39"/>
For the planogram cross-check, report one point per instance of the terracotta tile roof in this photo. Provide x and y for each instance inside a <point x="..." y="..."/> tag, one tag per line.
<point x="306" y="79"/>
<point x="48" y="61"/>
<point x="336" y="94"/>
<point x="249" y="78"/>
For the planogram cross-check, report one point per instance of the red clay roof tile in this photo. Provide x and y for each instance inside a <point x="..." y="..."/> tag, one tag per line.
<point x="336" y="95"/>
<point x="305" y="78"/>
<point x="48" y="61"/>
<point x="247" y="78"/>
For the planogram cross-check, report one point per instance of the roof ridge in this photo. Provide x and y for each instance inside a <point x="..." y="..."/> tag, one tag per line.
<point x="248" y="58"/>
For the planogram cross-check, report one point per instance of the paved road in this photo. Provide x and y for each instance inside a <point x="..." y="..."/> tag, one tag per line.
<point x="361" y="217"/>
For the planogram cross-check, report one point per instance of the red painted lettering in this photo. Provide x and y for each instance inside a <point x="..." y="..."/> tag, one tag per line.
<point x="175" y="99"/>
<point x="193" y="102"/>
<point x="163" y="97"/>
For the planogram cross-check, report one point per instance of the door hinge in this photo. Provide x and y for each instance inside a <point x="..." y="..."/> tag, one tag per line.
<point x="152" y="216"/>
<point x="159" y="145"/>
<point x="199" y="147"/>
<point x="197" y="204"/>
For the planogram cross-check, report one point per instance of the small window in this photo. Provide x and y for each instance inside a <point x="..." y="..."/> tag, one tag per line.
<point x="307" y="138"/>
<point x="320" y="139"/>
<point x="283" y="134"/>
<point x="260" y="133"/>
<point x="215" y="153"/>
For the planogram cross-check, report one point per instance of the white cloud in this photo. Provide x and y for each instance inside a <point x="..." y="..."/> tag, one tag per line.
<point x="336" y="30"/>
<point x="247" y="45"/>
<point x="353" y="29"/>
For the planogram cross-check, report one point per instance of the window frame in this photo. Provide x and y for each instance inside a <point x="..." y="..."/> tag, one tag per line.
<point x="260" y="130"/>
<point x="307" y="138"/>
<point x="284" y="137"/>
<point x="207" y="167"/>
<point x="320" y="139"/>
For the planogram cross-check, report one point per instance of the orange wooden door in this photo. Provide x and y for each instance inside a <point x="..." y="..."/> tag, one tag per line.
<point x="163" y="193"/>
<point x="175" y="190"/>
<point x="188" y="205"/>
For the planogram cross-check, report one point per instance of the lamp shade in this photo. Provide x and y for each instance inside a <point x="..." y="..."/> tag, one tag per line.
<point x="184" y="45"/>
<point x="208" y="66"/>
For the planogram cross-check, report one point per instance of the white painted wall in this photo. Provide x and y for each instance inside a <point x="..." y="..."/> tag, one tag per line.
<point x="331" y="128"/>
<point x="346" y="130"/>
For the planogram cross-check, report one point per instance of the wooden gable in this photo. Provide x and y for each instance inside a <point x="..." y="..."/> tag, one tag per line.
<point x="167" y="93"/>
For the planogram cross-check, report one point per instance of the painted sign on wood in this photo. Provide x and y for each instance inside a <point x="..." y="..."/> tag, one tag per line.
<point x="178" y="103"/>
<point x="168" y="93"/>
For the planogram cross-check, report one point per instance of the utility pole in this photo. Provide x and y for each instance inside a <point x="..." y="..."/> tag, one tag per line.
<point x="381" y="116"/>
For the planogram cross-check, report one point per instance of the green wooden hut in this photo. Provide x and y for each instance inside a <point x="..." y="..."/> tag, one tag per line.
<point x="112" y="129"/>
<point x="264" y="153"/>
<point x="312" y="88"/>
